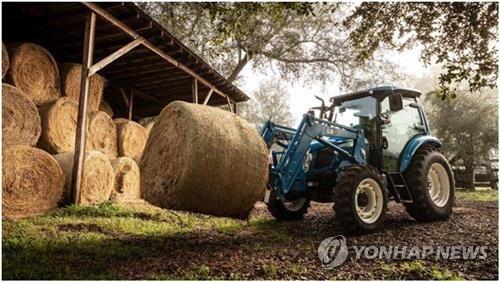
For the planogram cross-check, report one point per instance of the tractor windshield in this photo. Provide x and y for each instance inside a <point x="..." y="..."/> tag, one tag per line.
<point x="359" y="113"/>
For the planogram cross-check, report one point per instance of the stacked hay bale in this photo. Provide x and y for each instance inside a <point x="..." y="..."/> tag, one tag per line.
<point x="21" y="121"/>
<point x="203" y="159"/>
<point x="40" y="108"/>
<point x="32" y="182"/>
<point x="132" y="138"/>
<point x="5" y="60"/>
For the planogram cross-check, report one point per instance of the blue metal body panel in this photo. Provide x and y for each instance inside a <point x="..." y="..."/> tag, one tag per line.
<point x="412" y="147"/>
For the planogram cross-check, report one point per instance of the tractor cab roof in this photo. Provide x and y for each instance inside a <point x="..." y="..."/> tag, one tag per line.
<point x="378" y="92"/>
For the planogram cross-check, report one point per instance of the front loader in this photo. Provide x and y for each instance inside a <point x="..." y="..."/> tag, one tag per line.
<point x="363" y="150"/>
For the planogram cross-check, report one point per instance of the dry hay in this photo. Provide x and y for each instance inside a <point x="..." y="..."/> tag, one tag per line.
<point x="33" y="182"/>
<point x="97" y="180"/>
<point x="127" y="180"/>
<point x="21" y="121"/>
<point x="101" y="134"/>
<point x="5" y="60"/>
<point x="203" y="159"/>
<point x="105" y="107"/>
<point x="71" y="83"/>
<point x="148" y="123"/>
<point x="59" y="126"/>
<point x="34" y="71"/>
<point x="132" y="138"/>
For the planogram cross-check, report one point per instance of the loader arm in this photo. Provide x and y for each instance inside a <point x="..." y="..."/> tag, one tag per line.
<point x="288" y="169"/>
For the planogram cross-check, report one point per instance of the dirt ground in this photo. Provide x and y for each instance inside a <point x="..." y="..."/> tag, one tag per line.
<point x="260" y="248"/>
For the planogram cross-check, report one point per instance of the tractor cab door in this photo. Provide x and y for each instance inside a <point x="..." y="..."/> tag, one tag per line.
<point x="400" y="127"/>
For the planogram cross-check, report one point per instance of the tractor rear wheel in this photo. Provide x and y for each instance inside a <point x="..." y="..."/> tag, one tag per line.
<point x="283" y="209"/>
<point x="360" y="199"/>
<point x="431" y="184"/>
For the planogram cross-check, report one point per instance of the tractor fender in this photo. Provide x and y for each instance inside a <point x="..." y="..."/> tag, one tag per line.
<point x="412" y="147"/>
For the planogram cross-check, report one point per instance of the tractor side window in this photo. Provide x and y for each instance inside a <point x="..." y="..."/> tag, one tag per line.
<point x="403" y="126"/>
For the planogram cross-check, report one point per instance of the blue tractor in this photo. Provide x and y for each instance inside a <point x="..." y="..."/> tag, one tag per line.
<point x="361" y="151"/>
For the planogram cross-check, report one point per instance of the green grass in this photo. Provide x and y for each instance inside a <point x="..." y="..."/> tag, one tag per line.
<point x="480" y="194"/>
<point x="420" y="270"/>
<point x="79" y="242"/>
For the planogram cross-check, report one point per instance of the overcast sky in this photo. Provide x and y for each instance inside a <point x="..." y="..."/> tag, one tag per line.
<point x="302" y="96"/>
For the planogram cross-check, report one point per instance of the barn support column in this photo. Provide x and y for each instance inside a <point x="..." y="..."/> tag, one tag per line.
<point x="81" y="124"/>
<point x="195" y="91"/>
<point x="131" y="104"/>
<point x="208" y="96"/>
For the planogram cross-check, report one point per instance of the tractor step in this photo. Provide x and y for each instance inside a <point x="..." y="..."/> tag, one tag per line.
<point x="400" y="188"/>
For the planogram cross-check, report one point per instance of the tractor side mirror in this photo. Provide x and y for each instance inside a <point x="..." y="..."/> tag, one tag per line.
<point x="395" y="102"/>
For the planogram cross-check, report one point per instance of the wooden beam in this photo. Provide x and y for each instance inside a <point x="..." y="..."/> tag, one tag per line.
<point x="81" y="123"/>
<point x="131" y="104"/>
<point x="208" y="96"/>
<point x="229" y="104"/>
<point x="111" y="19"/>
<point x="195" y="91"/>
<point x="115" y="55"/>
<point x="125" y="98"/>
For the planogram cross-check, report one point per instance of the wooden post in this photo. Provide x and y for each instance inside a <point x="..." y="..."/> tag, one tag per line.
<point x="229" y="104"/>
<point x="130" y="104"/>
<point x="195" y="91"/>
<point x="81" y="123"/>
<point x="208" y="96"/>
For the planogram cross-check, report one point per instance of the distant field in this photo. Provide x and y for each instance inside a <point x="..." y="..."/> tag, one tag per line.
<point x="143" y="242"/>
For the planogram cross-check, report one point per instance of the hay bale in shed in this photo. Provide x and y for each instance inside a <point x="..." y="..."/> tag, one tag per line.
<point x="127" y="180"/>
<point x="132" y="138"/>
<point x="33" y="182"/>
<point x="105" y="107"/>
<point x="59" y="126"/>
<point x="97" y="181"/>
<point x="5" y="60"/>
<point x="34" y="71"/>
<point x="101" y="134"/>
<point x="21" y="121"/>
<point x="203" y="159"/>
<point x="71" y="83"/>
<point x="148" y="123"/>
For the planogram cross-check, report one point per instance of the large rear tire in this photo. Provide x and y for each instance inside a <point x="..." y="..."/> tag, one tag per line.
<point x="360" y="199"/>
<point x="431" y="184"/>
<point x="283" y="209"/>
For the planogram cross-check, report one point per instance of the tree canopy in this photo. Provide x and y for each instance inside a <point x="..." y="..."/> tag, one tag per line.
<point x="459" y="35"/>
<point x="295" y="39"/>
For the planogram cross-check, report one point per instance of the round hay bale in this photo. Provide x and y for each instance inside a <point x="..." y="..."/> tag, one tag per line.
<point x="127" y="180"/>
<point x="71" y="82"/>
<point x="33" y="182"/>
<point x="101" y="134"/>
<point x="21" y="121"/>
<point x="97" y="181"/>
<point x="132" y="138"/>
<point x="34" y="71"/>
<point x="59" y="126"/>
<point x="5" y="60"/>
<point x="105" y="107"/>
<point x="148" y="123"/>
<point x="203" y="159"/>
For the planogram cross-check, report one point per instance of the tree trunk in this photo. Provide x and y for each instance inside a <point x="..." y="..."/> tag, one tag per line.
<point x="469" y="175"/>
<point x="239" y="67"/>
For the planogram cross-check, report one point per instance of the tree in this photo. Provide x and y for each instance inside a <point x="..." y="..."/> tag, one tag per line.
<point x="296" y="39"/>
<point x="269" y="101"/>
<point x="460" y="35"/>
<point x="468" y="127"/>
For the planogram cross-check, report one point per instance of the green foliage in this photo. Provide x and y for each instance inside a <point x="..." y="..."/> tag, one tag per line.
<point x="468" y="126"/>
<point x="296" y="39"/>
<point x="461" y="36"/>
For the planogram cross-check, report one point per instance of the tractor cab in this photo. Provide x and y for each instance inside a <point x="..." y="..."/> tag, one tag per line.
<point x="367" y="139"/>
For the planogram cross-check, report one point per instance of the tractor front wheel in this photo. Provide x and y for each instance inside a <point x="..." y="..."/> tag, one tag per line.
<point x="431" y="185"/>
<point x="283" y="209"/>
<point x="360" y="199"/>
